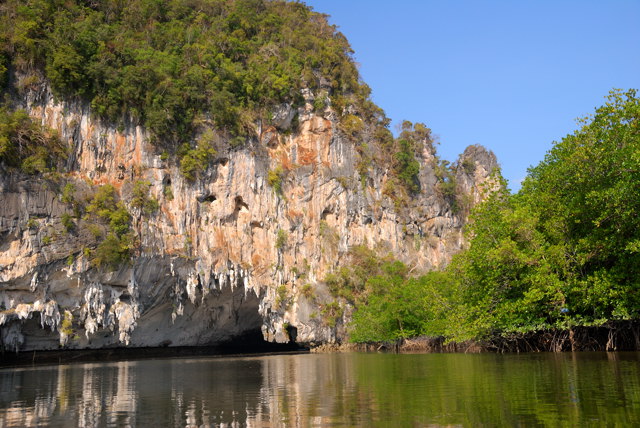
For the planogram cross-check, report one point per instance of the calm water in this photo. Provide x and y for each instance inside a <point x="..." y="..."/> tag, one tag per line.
<point x="330" y="390"/>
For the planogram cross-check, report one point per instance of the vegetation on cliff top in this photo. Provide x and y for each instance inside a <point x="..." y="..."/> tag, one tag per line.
<point x="173" y="65"/>
<point x="563" y="252"/>
<point x="183" y="67"/>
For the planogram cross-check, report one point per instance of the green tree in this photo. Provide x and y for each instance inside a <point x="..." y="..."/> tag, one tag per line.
<point x="564" y="250"/>
<point x="407" y="167"/>
<point x="28" y="146"/>
<point x="586" y="194"/>
<point x="140" y="198"/>
<point x="105" y="208"/>
<point x="382" y="311"/>
<point x="195" y="161"/>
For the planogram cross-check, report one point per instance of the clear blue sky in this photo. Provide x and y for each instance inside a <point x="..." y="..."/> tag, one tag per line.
<point x="510" y="75"/>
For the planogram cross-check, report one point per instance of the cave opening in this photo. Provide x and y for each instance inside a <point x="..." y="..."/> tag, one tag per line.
<point x="225" y="321"/>
<point x="292" y="332"/>
<point x="207" y="198"/>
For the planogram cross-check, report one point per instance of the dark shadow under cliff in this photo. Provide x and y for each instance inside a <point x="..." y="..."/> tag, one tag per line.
<point x="250" y="343"/>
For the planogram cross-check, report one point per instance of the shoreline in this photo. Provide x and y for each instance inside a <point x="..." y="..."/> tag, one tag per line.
<point x="10" y="359"/>
<point x="612" y="336"/>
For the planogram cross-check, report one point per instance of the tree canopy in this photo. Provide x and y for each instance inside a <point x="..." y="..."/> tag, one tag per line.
<point x="173" y="65"/>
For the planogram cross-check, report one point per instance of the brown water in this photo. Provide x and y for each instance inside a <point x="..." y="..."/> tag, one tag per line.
<point x="584" y="389"/>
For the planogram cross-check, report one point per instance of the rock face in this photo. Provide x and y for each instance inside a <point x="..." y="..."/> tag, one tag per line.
<point x="224" y="254"/>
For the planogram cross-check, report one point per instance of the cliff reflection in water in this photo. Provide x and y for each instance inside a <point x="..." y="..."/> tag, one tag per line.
<point x="178" y="392"/>
<point x="326" y="390"/>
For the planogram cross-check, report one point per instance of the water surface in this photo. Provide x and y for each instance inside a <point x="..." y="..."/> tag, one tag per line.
<point x="580" y="389"/>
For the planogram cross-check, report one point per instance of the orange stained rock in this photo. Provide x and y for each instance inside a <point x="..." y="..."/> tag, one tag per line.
<point x="307" y="156"/>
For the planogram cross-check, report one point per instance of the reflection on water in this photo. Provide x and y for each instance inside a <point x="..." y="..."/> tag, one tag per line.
<point x="329" y="390"/>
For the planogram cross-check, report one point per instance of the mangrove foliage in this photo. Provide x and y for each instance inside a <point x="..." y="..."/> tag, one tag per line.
<point x="562" y="252"/>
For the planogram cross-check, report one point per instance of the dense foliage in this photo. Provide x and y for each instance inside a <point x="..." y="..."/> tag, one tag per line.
<point x="173" y="65"/>
<point x="564" y="251"/>
<point x="25" y="145"/>
<point x="184" y="67"/>
<point x="105" y="208"/>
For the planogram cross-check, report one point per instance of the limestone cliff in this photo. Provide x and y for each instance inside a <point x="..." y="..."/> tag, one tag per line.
<point x="224" y="254"/>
